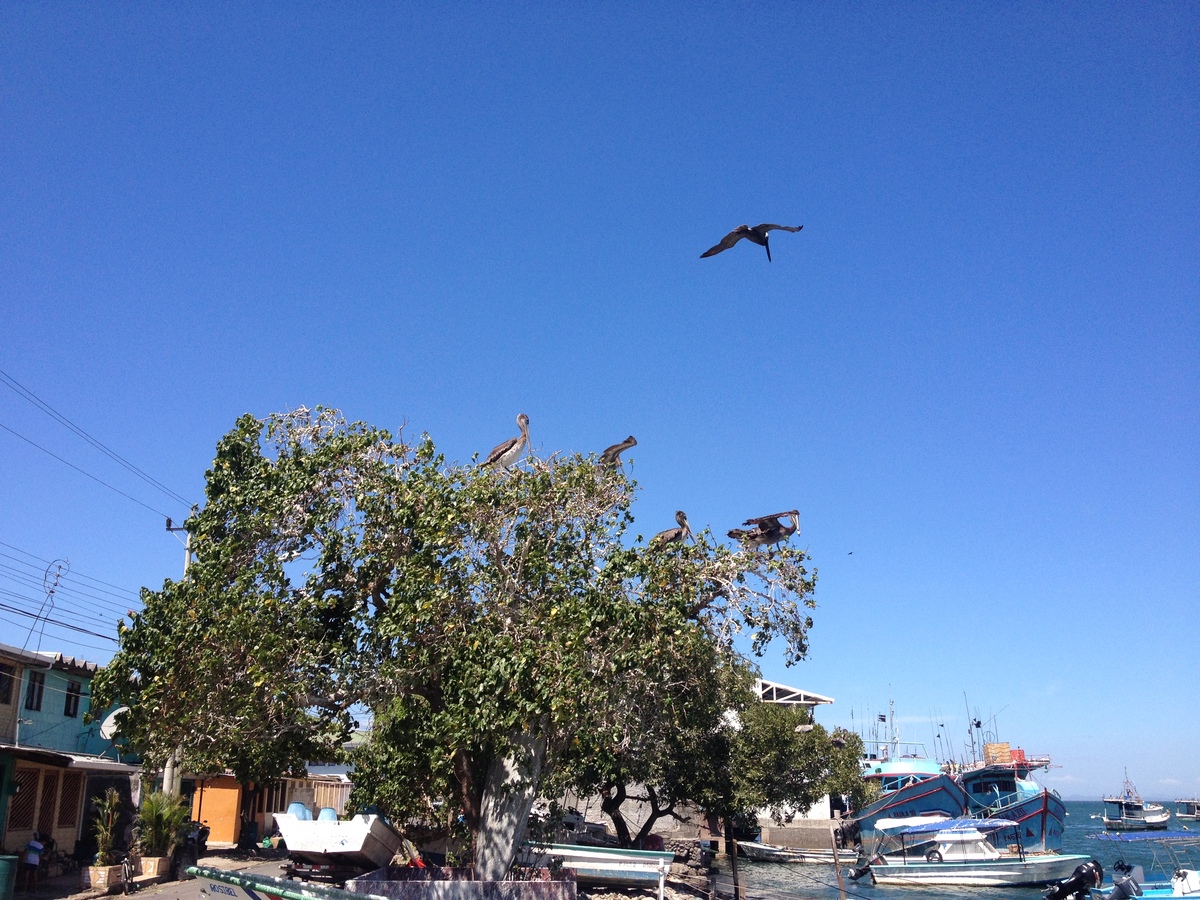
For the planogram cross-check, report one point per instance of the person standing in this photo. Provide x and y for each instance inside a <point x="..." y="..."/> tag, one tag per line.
<point x="33" y="861"/>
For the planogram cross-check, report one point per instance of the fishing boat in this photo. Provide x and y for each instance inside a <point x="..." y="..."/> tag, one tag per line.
<point x="760" y="852"/>
<point x="1001" y="786"/>
<point x="1188" y="810"/>
<point x="909" y="784"/>
<point x="1128" y="812"/>
<point x="961" y="851"/>
<point x="1175" y="866"/>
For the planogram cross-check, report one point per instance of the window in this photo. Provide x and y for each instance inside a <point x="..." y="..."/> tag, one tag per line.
<point x="6" y="683"/>
<point x="71" y="705"/>
<point x="33" y="692"/>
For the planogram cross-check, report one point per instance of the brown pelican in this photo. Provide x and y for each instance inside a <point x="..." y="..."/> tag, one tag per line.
<point x="757" y="234"/>
<point x="504" y="455"/>
<point x="673" y="535"/>
<point x="767" y="530"/>
<point x="611" y="456"/>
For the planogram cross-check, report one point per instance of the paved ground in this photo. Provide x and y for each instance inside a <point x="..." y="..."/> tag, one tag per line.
<point x="67" y="887"/>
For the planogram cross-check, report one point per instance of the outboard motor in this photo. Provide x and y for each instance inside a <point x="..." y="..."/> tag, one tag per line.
<point x="1085" y="877"/>
<point x="858" y="872"/>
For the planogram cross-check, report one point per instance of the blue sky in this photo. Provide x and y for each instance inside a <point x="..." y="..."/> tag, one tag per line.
<point x="976" y="371"/>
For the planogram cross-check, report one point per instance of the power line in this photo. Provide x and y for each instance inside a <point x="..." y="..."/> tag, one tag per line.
<point x="82" y="472"/>
<point x="67" y="605"/>
<point x="73" y="575"/>
<point x="29" y="615"/>
<point x="72" y="640"/>
<point x="66" y="591"/>
<point x="24" y="392"/>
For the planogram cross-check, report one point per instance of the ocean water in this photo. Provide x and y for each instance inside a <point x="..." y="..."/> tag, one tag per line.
<point x="773" y="881"/>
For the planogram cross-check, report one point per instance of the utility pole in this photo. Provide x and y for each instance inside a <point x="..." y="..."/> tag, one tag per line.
<point x="171" y="774"/>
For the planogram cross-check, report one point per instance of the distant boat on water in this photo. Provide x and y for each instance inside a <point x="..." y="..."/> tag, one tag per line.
<point x="1128" y="812"/>
<point x="1188" y="809"/>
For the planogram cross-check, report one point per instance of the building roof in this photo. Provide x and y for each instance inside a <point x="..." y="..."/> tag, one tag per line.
<point x="50" y="660"/>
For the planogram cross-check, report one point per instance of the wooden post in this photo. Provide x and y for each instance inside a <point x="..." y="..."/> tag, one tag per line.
<point x="837" y="865"/>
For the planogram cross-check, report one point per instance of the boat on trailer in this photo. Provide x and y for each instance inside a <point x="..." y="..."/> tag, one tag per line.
<point x="336" y="849"/>
<point x="1128" y="812"/>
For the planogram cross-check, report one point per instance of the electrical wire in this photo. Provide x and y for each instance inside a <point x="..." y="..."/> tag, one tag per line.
<point x="73" y="640"/>
<point x="24" y="392"/>
<point x="82" y="472"/>
<point x="21" y="612"/>
<point x="72" y="575"/>
<point x="65" y="592"/>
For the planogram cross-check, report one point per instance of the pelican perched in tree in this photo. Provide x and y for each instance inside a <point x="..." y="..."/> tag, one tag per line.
<point x="504" y="455"/>
<point x="674" y="535"/>
<point x="767" y="530"/>
<point x="611" y="456"/>
<point x="757" y="234"/>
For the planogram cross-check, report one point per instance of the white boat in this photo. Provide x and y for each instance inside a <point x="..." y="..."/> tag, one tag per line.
<point x="362" y="842"/>
<point x="1127" y="811"/>
<point x="1188" y="809"/>
<point x="958" y="852"/>
<point x="760" y="852"/>
<point x="603" y="865"/>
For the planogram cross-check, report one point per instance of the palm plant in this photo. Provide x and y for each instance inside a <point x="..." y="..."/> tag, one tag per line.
<point x="108" y="814"/>
<point x="161" y="822"/>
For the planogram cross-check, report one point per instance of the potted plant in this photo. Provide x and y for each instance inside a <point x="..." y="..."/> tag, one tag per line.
<point x="106" y="873"/>
<point x="160" y="825"/>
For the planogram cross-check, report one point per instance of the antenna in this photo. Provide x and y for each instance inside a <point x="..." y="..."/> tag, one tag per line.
<point x="54" y="572"/>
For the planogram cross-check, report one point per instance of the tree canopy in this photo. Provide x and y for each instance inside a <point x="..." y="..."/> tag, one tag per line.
<point x="503" y="626"/>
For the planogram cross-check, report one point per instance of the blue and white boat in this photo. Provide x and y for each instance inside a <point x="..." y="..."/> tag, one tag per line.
<point x="1002" y="788"/>
<point x="910" y="785"/>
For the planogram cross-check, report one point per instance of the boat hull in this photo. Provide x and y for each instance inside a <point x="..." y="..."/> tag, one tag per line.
<point x="941" y="795"/>
<point x="1033" y="870"/>
<point x="757" y="852"/>
<point x="1151" y="821"/>
<point x="365" y="842"/>
<point x="1041" y="818"/>
<point x="602" y="865"/>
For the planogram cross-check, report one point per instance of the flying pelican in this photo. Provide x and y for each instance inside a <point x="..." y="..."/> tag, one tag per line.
<point x="757" y="234"/>
<point x="505" y="454"/>
<point x="611" y="456"/>
<point x="767" y="530"/>
<point x="673" y="535"/>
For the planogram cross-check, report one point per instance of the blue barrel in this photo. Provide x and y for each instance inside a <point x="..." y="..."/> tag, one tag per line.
<point x="327" y="814"/>
<point x="8" y="876"/>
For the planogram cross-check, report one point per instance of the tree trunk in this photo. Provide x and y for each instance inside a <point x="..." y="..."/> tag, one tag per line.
<point x="508" y="796"/>
<point x="614" y="796"/>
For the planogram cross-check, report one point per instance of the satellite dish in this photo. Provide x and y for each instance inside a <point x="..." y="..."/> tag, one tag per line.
<point x="108" y="728"/>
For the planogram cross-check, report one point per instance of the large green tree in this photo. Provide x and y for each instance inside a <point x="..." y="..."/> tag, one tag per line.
<point x="500" y="624"/>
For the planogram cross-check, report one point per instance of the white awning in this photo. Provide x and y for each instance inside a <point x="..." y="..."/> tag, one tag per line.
<point x="770" y="692"/>
<point x="99" y="764"/>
